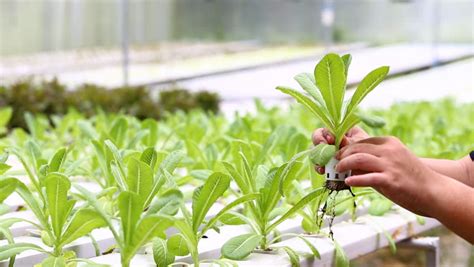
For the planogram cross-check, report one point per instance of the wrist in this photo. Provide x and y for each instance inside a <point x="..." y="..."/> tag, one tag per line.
<point x="434" y="188"/>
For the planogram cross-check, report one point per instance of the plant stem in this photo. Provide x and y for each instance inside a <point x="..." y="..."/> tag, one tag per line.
<point x="125" y="262"/>
<point x="195" y="257"/>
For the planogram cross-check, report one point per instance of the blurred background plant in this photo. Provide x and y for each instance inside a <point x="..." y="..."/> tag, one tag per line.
<point x="53" y="98"/>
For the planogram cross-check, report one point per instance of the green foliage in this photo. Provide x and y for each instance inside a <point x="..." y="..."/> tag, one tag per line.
<point x="181" y="99"/>
<point x="53" y="98"/>
<point x="322" y="153"/>
<point x="205" y="196"/>
<point x="162" y="256"/>
<point x="327" y="104"/>
<point x="257" y="166"/>
<point x="239" y="247"/>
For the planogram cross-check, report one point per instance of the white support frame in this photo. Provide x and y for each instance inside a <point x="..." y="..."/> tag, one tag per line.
<point x="430" y="245"/>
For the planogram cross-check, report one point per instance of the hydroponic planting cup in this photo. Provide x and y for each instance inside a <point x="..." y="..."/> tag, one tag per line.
<point x="332" y="175"/>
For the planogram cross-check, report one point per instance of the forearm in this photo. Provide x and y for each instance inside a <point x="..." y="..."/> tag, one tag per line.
<point x="452" y="203"/>
<point x="457" y="169"/>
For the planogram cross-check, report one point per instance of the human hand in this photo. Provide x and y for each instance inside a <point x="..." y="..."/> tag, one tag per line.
<point x="322" y="135"/>
<point x="387" y="165"/>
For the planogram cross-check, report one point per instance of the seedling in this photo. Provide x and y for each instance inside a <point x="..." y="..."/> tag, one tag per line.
<point x="144" y="214"/>
<point x="57" y="220"/>
<point x="265" y="213"/>
<point x="192" y="227"/>
<point x="135" y="228"/>
<point x="326" y="89"/>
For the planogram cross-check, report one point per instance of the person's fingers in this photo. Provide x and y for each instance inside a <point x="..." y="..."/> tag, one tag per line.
<point x="374" y="140"/>
<point x="358" y="172"/>
<point x="369" y="179"/>
<point x="321" y="170"/>
<point x="329" y="137"/>
<point x="360" y="161"/>
<point x="322" y="135"/>
<point x="318" y="137"/>
<point x="345" y="141"/>
<point x="359" y="148"/>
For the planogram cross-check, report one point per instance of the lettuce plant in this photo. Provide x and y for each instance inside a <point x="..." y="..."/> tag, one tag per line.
<point x="58" y="221"/>
<point x="326" y="89"/>
<point x="193" y="227"/>
<point x="265" y="213"/>
<point x="134" y="228"/>
<point x="143" y="213"/>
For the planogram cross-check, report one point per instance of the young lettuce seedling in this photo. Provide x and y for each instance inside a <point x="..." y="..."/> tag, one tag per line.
<point x="144" y="214"/>
<point x="265" y="213"/>
<point x="326" y="89"/>
<point x="192" y="227"/>
<point x="57" y="220"/>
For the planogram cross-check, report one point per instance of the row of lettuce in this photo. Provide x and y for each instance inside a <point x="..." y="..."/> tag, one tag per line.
<point x="52" y="98"/>
<point x="253" y="163"/>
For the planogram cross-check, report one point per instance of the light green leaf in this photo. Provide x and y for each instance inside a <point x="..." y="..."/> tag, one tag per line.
<point x="241" y="182"/>
<point x="7" y="187"/>
<point x="340" y="256"/>
<point x="239" y="247"/>
<point x="372" y="121"/>
<point x="149" y="156"/>
<point x="92" y="200"/>
<point x="57" y="187"/>
<point x="309" y="104"/>
<point x="162" y="256"/>
<point x="294" y="258"/>
<point x="227" y="208"/>
<point x="347" y="59"/>
<point x="82" y="223"/>
<point x="206" y="196"/>
<point x="167" y="203"/>
<point x="350" y="121"/>
<point x="311" y="246"/>
<point x="331" y="81"/>
<point x="117" y="157"/>
<point x="52" y="261"/>
<point x="57" y="160"/>
<point x="168" y="165"/>
<point x="31" y="202"/>
<point x="177" y="245"/>
<point x="130" y="208"/>
<point x="118" y="131"/>
<point x="4" y="168"/>
<point x="88" y="263"/>
<point x="87" y="129"/>
<point x="171" y="161"/>
<point x="288" y="176"/>
<point x="148" y="228"/>
<point x="139" y="178"/>
<point x="322" y="153"/>
<point x="379" y="206"/>
<point x="299" y="205"/>
<point x="10" y="250"/>
<point x="5" y="115"/>
<point x="366" y="86"/>
<point x="306" y="81"/>
<point x="152" y="126"/>
<point x="421" y="220"/>
<point x="230" y="218"/>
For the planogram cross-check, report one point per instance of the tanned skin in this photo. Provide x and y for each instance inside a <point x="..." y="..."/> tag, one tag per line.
<point x="438" y="188"/>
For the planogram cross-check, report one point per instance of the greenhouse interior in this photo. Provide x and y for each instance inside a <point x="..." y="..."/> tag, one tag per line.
<point x="237" y="133"/>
